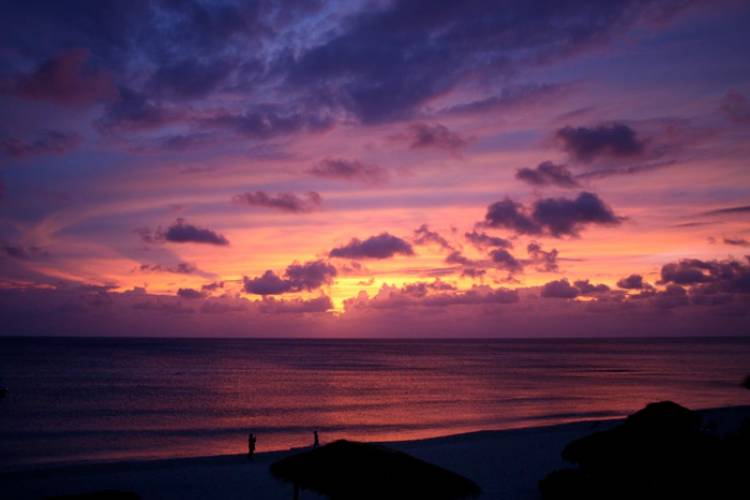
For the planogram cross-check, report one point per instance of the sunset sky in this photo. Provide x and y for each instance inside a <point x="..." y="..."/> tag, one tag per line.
<point x="375" y="168"/>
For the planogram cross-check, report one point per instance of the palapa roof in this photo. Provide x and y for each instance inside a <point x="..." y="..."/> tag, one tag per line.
<point x="351" y="470"/>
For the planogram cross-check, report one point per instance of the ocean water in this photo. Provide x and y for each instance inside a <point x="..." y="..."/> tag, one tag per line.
<point x="78" y="400"/>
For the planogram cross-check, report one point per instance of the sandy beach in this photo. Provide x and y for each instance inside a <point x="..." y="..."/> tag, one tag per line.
<point x="506" y="464"/>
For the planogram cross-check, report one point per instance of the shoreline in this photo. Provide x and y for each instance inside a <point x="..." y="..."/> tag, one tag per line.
<point x="505" y="463"/>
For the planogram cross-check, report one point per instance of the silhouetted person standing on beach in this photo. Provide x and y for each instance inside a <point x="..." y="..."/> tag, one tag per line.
<point x="316" y="443"/>
<point x="250" y="446"/>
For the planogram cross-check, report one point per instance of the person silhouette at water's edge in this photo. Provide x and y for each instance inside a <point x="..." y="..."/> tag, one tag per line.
<point x="250" y="446"/>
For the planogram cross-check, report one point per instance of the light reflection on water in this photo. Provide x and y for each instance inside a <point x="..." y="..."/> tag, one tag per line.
<point x="108" y="399"/>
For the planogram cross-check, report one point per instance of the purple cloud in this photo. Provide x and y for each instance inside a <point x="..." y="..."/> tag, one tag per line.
<point x="633" y="282"/>
<point x="67" y="79"/>
<point x="383" y="65"/>
<point x="738" y="242"/>
<point x="320" y="304"/>
<point x="435" y="294"/>
<point x="561" y="216"/>
<point x="504" y="260"/>
<point x="382" y="246"/>
<point x="457" y="257"/>
<point x="182" y="232"/>
<point x="511" y="215"/>
<point x="547" y="174"/>
<point x="546" y="261"/>
<point x="268" y="121"/>
<point x="728" y="275"/>
<point x="286" y="202"/>
<point x="587" y="144"/>
<point x="483" y="240"/>
<point x="24" y="252"/>
<point x="49" y="142"/>
<point x="728" y="211"/>
<point x="423" y="135"/>
<point x="560" y="289"/>
<point x="189" y="78"/>
<point x="553" y="216"/>
<point x="297" y="277"/>
<point x="134" y="111"/>
<point x="179" y="268"/>
<point x="350" y="170"/>
<point x="190" y="294"/>
<point x="424" y="236"/>
<point x="736" y="107"/>
<point x="585" y="287"/>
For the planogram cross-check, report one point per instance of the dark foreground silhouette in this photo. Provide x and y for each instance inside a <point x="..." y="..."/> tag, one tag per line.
<point x="99" y="495"/>
<point x="345" y="470"/>
<point x="661" y="451"/>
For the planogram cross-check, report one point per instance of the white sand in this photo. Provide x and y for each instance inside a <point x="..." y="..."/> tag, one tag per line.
<point x="505" y="464"/>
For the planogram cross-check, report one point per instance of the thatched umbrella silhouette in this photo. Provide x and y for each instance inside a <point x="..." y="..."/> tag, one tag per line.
<point x="345" y="470"/>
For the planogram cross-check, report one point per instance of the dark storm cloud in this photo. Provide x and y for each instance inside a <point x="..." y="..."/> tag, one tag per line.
<point x="182" y="232"/>
<point x="423" y="135"/>
<point x="296" y="278"/>
<point x="547" y="174"/>
<point x="286" y="202"/>
<point x="388" y="61"/>
<point x="560" y="289"/>
<point x="586" y="144"/>
<point x="554" y="216"/>
<point x="189" y="293"/>
<point x="48" y="142"/>
<point x="483" y="240"/>
<point x="736" y="107"/>
<point x="350" y="170"/>
<point x="382" y="246"/>
<point x="633" y="282"/>
<point x="424" y="236"/>
<point x="66" y="79"/>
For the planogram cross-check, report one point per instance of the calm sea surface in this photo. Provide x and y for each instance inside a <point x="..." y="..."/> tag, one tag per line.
<point x="74" y="400"/>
